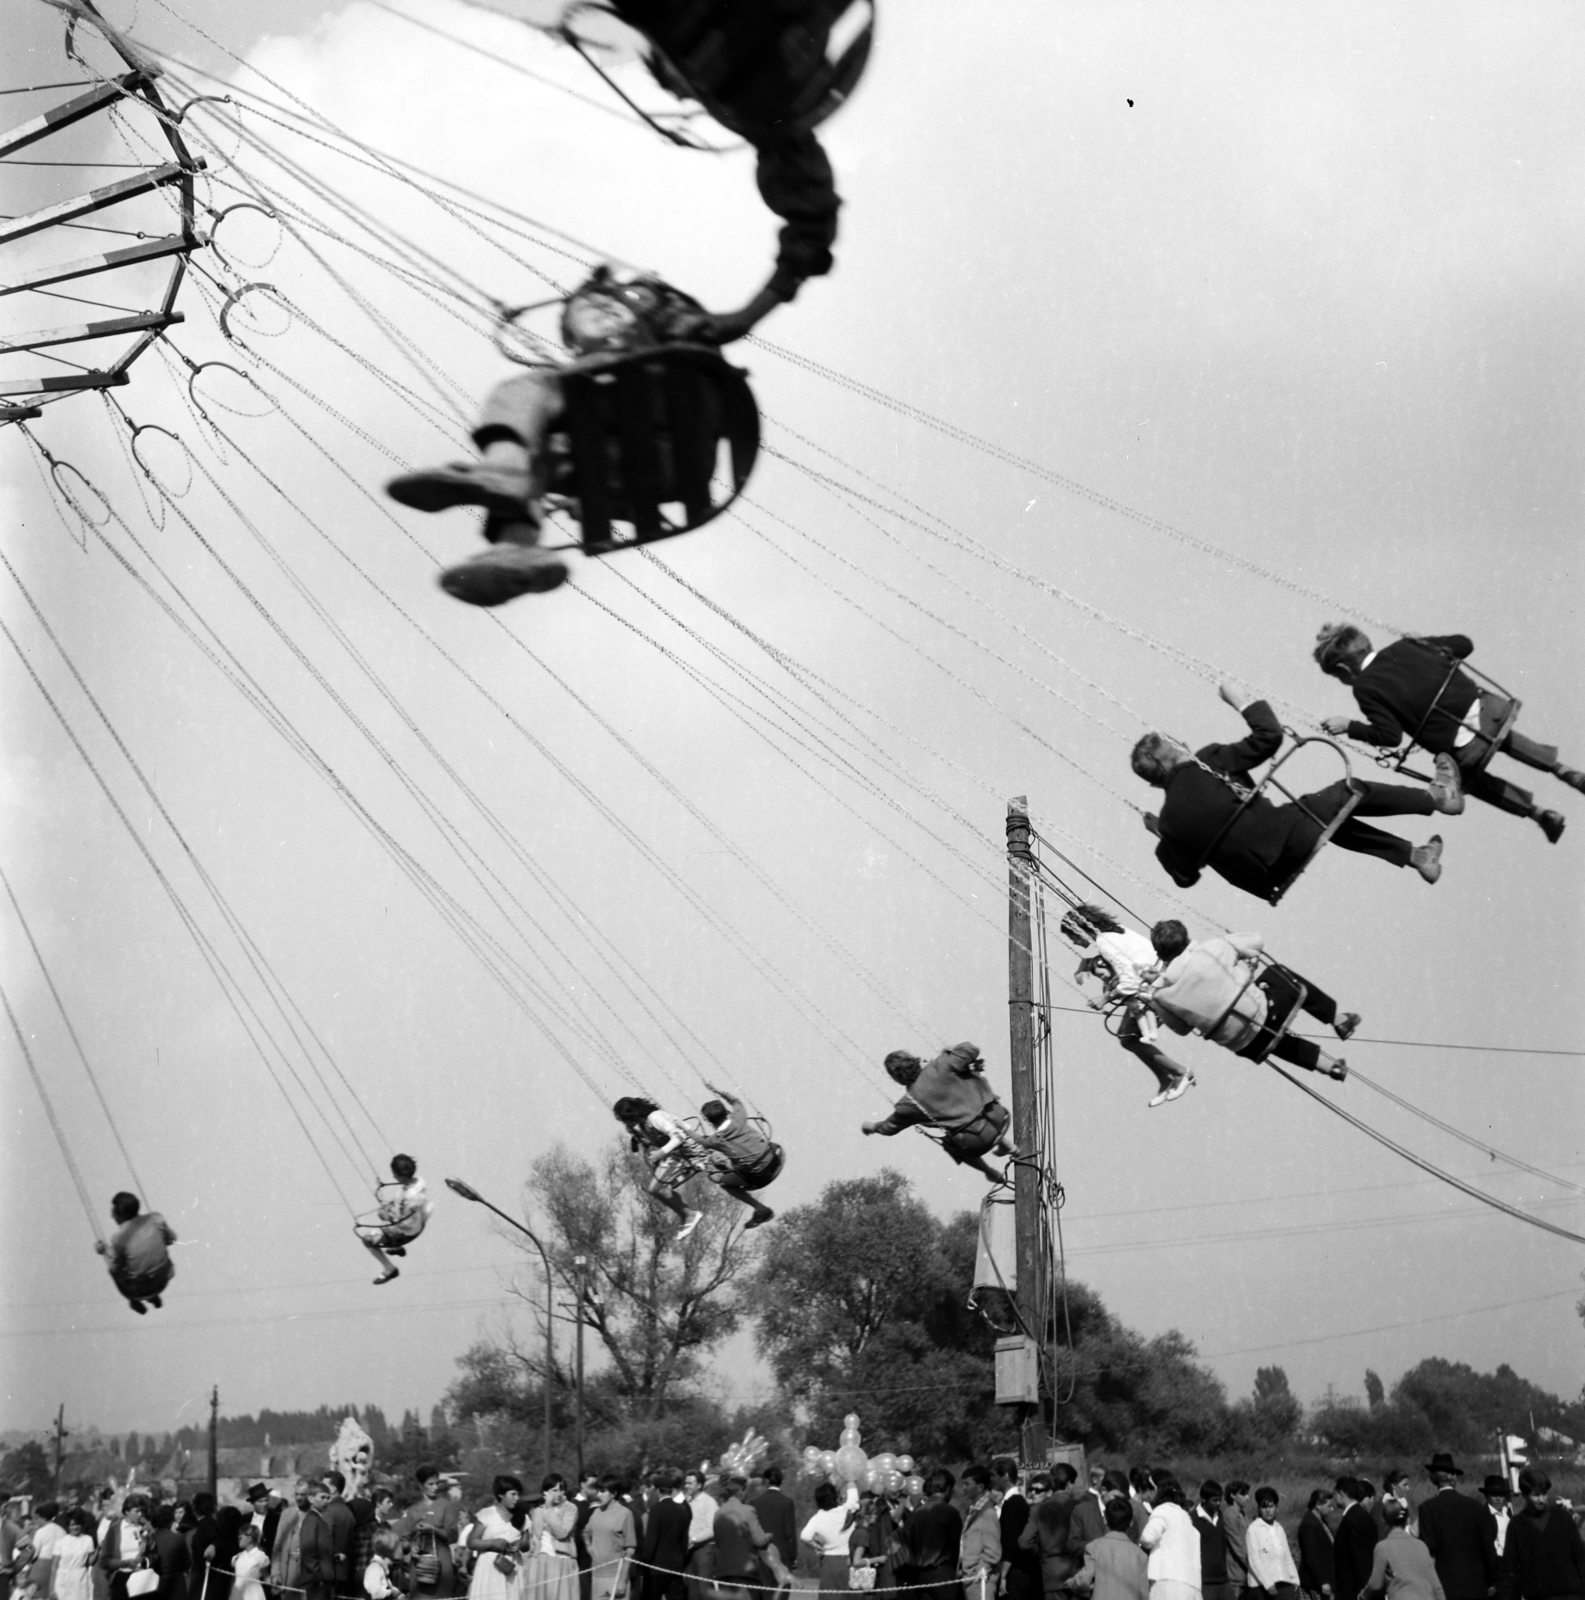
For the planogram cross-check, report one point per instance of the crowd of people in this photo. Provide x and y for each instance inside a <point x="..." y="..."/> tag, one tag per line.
<point x="990" y="1534"/>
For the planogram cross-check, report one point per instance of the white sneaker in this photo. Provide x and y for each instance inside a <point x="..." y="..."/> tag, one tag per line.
<point x="690" y="1222"/>
<point x="502" y="573"/>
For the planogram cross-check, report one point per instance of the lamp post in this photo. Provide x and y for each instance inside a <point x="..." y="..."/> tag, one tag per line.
<point x="582" y="1263"/>
<point x="468" y="1193"/>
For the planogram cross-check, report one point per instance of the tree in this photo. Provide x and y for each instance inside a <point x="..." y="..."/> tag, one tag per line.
<point x="1126" y="1392"/>
<point x="1375" y="1391"/>
<point x="838" y="1274"/>
<point x="862" y="1307"/>
<point x="26" y="1470"/>
<point x="134" y="1450"/>
<point x="655" y="1310"/>
<point x="860" y="1302"/>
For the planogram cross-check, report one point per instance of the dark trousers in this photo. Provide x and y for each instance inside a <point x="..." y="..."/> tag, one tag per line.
<point x="1165" y="1071"/>
<point x="1379" y="800"/>
<point x="1282" y="988"/>
<point x="1472" y="759"/>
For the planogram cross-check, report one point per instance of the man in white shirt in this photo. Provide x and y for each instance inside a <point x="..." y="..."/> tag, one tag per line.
<point x="1495" y="1493"/>
<point x="702" y="1508"/>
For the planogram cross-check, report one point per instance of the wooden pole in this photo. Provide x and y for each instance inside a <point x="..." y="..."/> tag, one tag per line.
<point x="1030" y="1296"/>
<point x="214" y="1440"/>
<point x="582" y="1264"/>
<point x="60" y="1451"/>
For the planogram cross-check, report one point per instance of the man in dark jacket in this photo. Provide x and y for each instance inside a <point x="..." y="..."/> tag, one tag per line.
<point x="665" y="1544"/>
<point x="1020" y="1568"/>
<point x="1453" y="1529"/>
<point x="1087" y="1521"/>
<point x="1258" y="846"/>
<point x="343" y="1526"/>
<point x="1215" y="1581"/>
<point x="1047" y="1531"/>
<point x="316" y="1543"/>
<point x="1315" y="1548"/>
<point x="1543" y="1555"/>
<point x="1354" y="1548"/>
<point x="933" y="1538"/>
<point x="1413" y="688"/>
<point x="778" y="1517"/>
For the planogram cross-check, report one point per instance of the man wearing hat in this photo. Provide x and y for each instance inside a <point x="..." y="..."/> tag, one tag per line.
<point x="265" y="1507"/>
<point x="1454" y="1528"/>
<point x="1495" y="1493"/>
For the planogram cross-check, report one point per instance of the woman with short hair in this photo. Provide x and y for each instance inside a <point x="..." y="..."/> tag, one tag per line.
<point x="828" y="1533"/>
<point x="552" y="1572"/>
<point x="1173" y="1546"/>
<point x="497" y="1575"/>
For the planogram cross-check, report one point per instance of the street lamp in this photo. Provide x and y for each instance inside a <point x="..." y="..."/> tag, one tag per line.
<point x="582" y="1264"/>
<point x="469" y="1193"/>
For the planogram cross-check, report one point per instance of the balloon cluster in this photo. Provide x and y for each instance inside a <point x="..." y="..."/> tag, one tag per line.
<point x="740" y="1459"/>
<point x="886" y="1473"/>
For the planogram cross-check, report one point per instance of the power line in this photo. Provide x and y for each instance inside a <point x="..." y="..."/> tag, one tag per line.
<point x="77" y="1044"/>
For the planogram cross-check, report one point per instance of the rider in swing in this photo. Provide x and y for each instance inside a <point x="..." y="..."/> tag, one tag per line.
<point x="950" y="1093"/>
<point x="1125" y="962"/>
<point x="404" y="1209"/>
<point x="742" y="1157"/>
<point x="672" y="1154"/>
<point x="521" y="434"/>
<point x="762" y="71"/>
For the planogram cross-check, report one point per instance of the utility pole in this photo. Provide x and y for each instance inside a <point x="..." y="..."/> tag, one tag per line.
<point x="60" y="1451"/>
<point x="214" y="1440"/>
<point x="582" y="1264"/>
<point x="550" y="1351"/>
<point x="1030" y="1289"/>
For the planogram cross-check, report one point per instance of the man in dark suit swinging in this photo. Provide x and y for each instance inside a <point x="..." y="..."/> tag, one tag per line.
<point x="1413" y="688"/>
<point x="1454" y="1529"/>
<point x="1258" y="846"/>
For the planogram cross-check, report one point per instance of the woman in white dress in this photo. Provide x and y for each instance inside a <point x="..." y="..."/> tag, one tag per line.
<point x="74" y="1557"/>
<point x="250" y="1566"/>
<point x="497" y="1571"/>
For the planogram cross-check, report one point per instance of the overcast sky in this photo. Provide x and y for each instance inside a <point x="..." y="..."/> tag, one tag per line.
<point x="1299" y="282"/>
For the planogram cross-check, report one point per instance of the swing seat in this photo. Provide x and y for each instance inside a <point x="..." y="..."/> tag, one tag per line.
<point x="1280" y="1014"/>
<point x="1272" y="780"/>
<point x="748" y="61"/>
<point x="1397" y="761"/>
<point x="771" y="1172"/>
<point x="646" y="433"/>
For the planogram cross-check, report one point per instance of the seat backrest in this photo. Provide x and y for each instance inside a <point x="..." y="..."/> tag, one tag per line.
<point x="645" y="431"/>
